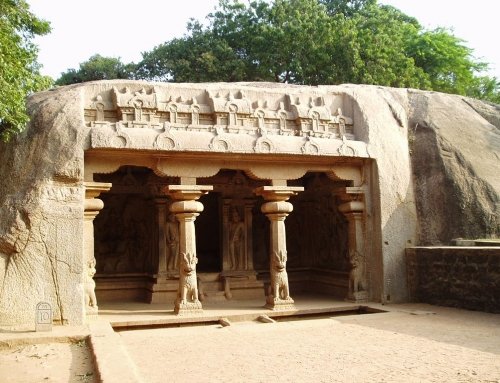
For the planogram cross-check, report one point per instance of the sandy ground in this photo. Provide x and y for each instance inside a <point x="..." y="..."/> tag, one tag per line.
<point x="412" y="345"/>
<point x="52" y="362"/>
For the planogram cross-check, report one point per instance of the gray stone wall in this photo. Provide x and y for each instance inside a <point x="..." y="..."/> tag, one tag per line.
<point x="465" y="277"/>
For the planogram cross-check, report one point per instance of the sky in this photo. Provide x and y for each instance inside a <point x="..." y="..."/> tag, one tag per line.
<point x="126" y="28"/>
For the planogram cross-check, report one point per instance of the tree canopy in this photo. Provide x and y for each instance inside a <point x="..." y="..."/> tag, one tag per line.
<point x="97" y="68"/>
<point x="308" y="42"/>
<point x="19" y="70"/>
<point x="319" y="42"/>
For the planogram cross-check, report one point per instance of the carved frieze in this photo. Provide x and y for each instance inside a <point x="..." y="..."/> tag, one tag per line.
<point x="218" y="112"/>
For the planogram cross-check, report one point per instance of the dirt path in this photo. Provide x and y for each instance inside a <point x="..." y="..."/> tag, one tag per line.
<point x="389" y="347"/>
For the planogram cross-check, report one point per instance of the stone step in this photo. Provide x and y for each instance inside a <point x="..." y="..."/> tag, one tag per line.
<point x="212" y="286"/>
<point x="213" y="296"/>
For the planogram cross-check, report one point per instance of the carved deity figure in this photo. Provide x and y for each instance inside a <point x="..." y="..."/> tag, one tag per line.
<point x="89" y="288"/>
<point x="233" y="117"/>
<point x="137" y="110"/>
<point x="99" y="106"/>
<point x="237" y="253"/>
<point x="188" y="284"/>
<point x="357" y="281"/>
<point x="279" y="289"/>
<point x="172" y="229"/>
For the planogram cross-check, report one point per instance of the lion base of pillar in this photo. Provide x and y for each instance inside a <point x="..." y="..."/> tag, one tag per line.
<point x="91" y="313"/>
<point x="279" y="304"/>
<point x="188" y="308"/>
<point x="358" y="297"/>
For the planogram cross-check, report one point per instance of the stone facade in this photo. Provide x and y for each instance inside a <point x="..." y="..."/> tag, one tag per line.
<point x="465" y="277"/>
<point x="185" y="192"/>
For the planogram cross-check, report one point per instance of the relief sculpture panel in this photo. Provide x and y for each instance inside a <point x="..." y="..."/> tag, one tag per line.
<point x="237" y="235"/>
<point x="124" y="234"/>
<point x="222" y="111"/>
<point x="316" y="231"/>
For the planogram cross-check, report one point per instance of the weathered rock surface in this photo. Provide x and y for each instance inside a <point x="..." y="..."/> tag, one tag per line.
<point x="40" y="168"/>
<point x="454" y="143"/>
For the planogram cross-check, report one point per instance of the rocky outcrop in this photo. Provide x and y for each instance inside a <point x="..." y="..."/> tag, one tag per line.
<point x="455" y="148"/>
<point x="41" y="199"/>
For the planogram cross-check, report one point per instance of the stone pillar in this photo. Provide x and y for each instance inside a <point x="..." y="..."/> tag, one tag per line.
<point x="92" y="207"/>
<point x="277" y="209"/>
<point x="186" y="208"/>
<point x="353" y="208"/>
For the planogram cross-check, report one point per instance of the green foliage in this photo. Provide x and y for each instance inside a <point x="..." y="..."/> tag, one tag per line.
<point x="382" y="34"/>
<point x="485" y="88"/>
<point x="201" y="57"/>
<point x="446" y="61"/>
<point x="348" y="8"/>
<point x="97" y="67"/>
<point x="19" y="70"/>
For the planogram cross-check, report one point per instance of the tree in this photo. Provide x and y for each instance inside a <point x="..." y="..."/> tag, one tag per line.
<point x="348" y="8"/>
<point x="97" y="67"/>
<point x="294" y="41"/>
<point x="445" y="59"/>
<point x="201" y="57"/>
<point x="19" y="70"/>
<point x="317" y="42"/>
<point x="291" y="41"/>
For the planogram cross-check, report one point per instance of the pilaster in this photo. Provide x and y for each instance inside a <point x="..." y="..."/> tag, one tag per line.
<point x="353" y="207"/>
<point x="160" y="287"/>
<point x="92" y="206"/>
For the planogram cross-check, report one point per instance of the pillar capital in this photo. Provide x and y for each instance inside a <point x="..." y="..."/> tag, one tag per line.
<point x="352" y="207"/>
<point x="93" y="189"/>
<point x="278" y="193"/>
<point x="187" y="192"/>
<point x="92" y="205"/>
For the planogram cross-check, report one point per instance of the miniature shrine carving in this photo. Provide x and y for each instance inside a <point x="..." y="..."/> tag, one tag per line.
<point x="235" y="112"/>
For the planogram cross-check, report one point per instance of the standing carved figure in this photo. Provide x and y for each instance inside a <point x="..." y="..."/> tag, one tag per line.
<point x="237" y="254"/>
<point x="357" y="281"/>
<point x="172" y="230"/>
<point x="89" y="288"/>
<point x="188" y="284"/>
<point x="279" y="289"/>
